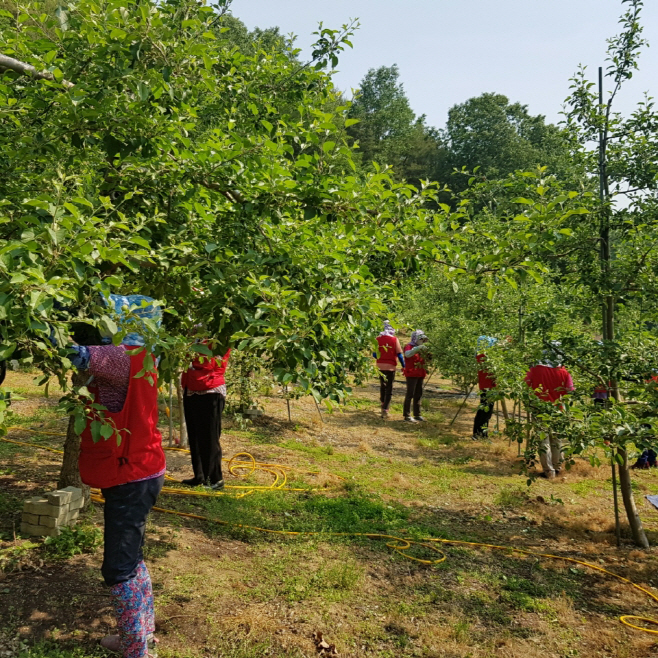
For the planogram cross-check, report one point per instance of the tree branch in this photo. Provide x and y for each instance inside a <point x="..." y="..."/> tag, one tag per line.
<point x="11" y="64"/>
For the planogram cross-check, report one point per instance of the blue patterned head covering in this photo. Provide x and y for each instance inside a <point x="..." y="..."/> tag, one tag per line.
<point x="139" y="305"/>
<point x="551" y="357"/>
<point x="483" y="342"/>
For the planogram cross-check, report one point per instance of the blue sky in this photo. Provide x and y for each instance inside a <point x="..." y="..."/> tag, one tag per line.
<point x="451" y="50"/>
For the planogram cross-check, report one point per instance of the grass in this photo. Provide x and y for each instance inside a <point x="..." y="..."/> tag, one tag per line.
<point x="237" y="592"/>
<point x="509" y="497"/>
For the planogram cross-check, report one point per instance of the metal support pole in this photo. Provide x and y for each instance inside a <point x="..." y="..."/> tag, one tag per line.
<point x="288" y="405"/>
<point x="613" y="463"/>
<point x="171" y="416"/>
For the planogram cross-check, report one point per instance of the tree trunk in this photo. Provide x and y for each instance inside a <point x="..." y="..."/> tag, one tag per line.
<point x="69" y="475"/>
<point x="634" y="521"/>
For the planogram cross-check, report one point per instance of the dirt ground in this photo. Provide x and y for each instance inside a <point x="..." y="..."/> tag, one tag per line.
<point x="240" y="593"/>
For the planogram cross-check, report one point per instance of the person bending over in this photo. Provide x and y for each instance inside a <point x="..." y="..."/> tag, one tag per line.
<point x="550" y="381"/>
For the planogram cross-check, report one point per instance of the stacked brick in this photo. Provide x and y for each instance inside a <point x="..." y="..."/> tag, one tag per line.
<point x="45" y="516"/>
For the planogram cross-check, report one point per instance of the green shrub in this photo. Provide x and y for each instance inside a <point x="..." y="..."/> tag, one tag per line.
<point x="73" y="541"/>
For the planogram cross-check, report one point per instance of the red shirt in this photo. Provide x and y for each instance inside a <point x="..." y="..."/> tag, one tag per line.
<point x="486" y="380"/>
<point x="413" y="364"/>
<point x="552" y="383"/>
<point x="134" y="451"/>
<point x="206" y="375"/>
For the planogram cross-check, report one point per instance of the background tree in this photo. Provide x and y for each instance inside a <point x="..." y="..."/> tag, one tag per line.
<point x="499" y="137"/>
<point x="388" y="131"/>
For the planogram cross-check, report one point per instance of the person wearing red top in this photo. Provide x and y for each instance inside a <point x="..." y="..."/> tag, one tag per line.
<point x="415" y="373"/>
<point x="486" y="383"/>
<point x="204" y="400"/>
<point x="128" y="467"/>
<point x="389" y="353"/>
<point x="550" y="381"/>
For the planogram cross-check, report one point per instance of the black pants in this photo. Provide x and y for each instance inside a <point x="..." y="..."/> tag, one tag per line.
<point x="125" y="512"/>
<point x="386" y="379"/>
<point x="415" y="393"/>
<point x="203" y="417"/>
<point x="483" y="416"/>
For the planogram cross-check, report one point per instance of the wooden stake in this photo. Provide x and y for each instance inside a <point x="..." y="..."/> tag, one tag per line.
<point x="503" y="404"/>
<point x="318" y="408"/>
<point x="288" y="405"/>
<point x="468" y="395"/>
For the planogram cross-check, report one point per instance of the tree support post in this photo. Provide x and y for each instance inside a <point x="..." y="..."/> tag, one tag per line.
<point x="171" y="417"/>
<point x="317" y="406"/>
<point x="181" y="416"/>
<point x="468" y="395"/>
<point x="615" y="498"/>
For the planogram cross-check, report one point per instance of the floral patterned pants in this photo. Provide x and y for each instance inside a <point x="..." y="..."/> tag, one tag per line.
<point x="133" y="607"/>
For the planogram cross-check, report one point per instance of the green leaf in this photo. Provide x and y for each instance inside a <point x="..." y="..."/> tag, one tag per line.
<point x="79" y="423"/>
<point x="106" y="431"/>
<point x="108" y="325"/>
<point x="96" y="430"/>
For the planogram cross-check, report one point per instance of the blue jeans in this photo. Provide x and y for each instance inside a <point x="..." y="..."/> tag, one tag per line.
<point x="126" y="509"/>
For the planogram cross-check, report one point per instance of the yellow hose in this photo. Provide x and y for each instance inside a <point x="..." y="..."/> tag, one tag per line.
<point x="234" y="464"/>
<point x="397" y="544"/>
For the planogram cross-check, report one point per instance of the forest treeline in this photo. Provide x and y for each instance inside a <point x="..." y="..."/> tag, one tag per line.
<point x="489" y="133"/>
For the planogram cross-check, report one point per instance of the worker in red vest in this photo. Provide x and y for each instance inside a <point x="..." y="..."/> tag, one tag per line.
<point x="415" y="373"/>
<point x="390" y="352"/>
<point x="205" y="396"/>
<point x="550" y="381"/>
<point x="128" y="467"/>
<point x="486" y="383"/>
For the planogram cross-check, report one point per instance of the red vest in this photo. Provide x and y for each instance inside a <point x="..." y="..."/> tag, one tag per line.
<point x="549" y="384"/>
<point x="139" y="453"/>
<point x="414" y="364"/>
<point x="207" y="375"/>
<point x="387" y="353"/>
<point x="486" y="380"/>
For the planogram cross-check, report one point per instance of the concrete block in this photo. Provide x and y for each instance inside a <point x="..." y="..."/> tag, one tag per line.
<point x="76" y="504"/>
<point x="34" y="499"/>
<point x="76" y="492"/>
<point x="72" y="517"/>
<point x="39" y="530"/>
<point x="53" y="521"/>
<point x="41" y="507"/>
<point x="59" y="498"/>
<point x="32" y="519"/>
